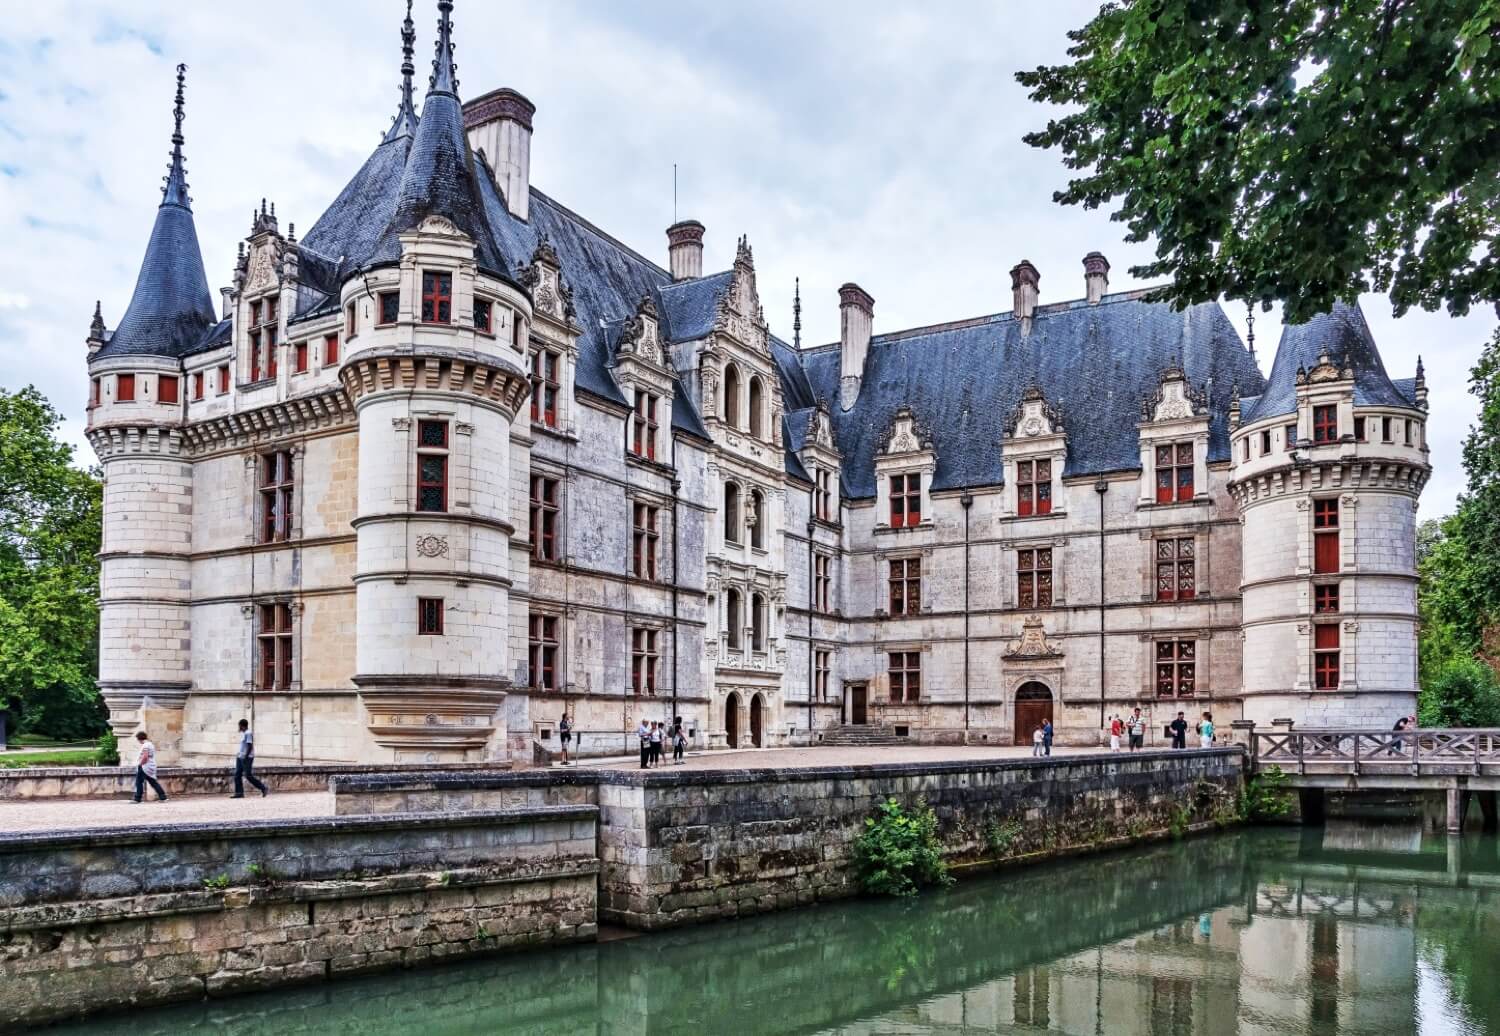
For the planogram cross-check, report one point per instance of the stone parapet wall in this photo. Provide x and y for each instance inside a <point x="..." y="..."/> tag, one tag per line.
<point x="159" y="914"/>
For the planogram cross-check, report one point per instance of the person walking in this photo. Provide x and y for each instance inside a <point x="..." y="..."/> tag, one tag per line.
<point x="1398" y="743"/>
<point x="1116" y="731"/>
<point x="679" y="743"/>
<point x="244" y="763"/>
<point x="1178" y="727"/>
<point x="1206" y="732"/>
<point x="1137" y="728"/>
<point x="145" y="769"/>
<point x="658" y="731"/>
<point x="1036" y="742"/>
<point x="644" y="733"/>
<point x="1046" y="737"/>
<point x="565" y="734"/>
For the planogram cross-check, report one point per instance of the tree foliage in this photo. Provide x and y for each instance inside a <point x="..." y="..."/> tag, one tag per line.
<point x="900" y="852"/>
<point x="1291" y="150"/>
<point x="49" y="573"/>
<point x="1462" y="693"/>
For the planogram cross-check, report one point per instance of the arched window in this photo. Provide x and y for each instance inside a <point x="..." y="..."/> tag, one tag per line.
<point x="757" y="623"/>
<point x="756" y="519"/>
<point x="731" y="513"/>
<point x="757" y="421"/>
<point x="732" y="395"/>
<point x="733" y="622"/>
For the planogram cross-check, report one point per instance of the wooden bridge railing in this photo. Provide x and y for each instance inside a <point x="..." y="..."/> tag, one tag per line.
<point x="1352" y="751"/>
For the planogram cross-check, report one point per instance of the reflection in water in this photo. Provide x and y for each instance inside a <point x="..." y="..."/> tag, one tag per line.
<point x="1312" y="932"/>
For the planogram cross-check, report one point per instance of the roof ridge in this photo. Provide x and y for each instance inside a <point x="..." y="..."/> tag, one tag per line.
<point x="594" y="228"/>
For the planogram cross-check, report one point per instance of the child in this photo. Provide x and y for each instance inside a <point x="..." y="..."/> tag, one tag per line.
<point x="1116" y="731"/>
<point x="1036" y="741"/>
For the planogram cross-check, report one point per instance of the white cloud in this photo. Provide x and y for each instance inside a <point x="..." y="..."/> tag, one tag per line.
<point x="850" y="141"/>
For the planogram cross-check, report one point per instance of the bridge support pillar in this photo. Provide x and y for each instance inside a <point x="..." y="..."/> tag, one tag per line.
<point x="1312" y="805"/>
<point x="1457" y="801"/>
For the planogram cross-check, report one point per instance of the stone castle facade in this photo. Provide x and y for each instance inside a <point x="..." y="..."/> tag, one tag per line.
<point x="457" y="460"/>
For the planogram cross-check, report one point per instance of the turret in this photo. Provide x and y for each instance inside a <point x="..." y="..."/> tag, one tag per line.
<point x="135" y="420"/>
<point x="1326" y="466"/>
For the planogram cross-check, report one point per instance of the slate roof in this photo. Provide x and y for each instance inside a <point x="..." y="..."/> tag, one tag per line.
<point x="1344" y="335"/>
<point x="686" y="308"/>
<point x="1095" y="362"/>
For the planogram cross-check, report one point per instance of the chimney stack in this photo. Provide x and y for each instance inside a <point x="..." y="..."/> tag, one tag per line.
<point x="1095" y="277"/>
<point x="1025" y="287"/>
<point x="856" y="317"/>
<point x="685" y="249"/>
<point x="499" y="124"/>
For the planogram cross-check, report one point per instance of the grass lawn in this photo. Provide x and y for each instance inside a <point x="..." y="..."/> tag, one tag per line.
<point x="75" y="757"/>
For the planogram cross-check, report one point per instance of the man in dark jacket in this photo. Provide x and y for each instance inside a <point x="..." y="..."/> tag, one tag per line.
<point x="1178" y="727"/>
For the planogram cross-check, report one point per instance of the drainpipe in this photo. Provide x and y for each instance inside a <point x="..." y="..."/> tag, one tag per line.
<point x="676" y="488"/>
<point x="811" y="606"/>
<point x="1101" y="487"/>
<point x="967" y="500"/>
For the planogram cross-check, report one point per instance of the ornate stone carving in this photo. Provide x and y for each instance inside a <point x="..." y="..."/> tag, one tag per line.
<point x="432" y="546"/>
<point x="1175" y="398"/>
<point x="1033" y="415"/>
<point x="1032" y="642"/>
<point x="440" y="225"/>
<point x="906" y="434"/>
<point x="1325" y="370"/>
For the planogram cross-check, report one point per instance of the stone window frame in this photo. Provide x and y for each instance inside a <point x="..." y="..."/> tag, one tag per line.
<point x="919" y="462"/>
<point x="923" y="556"/>
<point x="1203" y="655"/>
<point x="559" y="528"/>
<point x="250" y="611"/>
<point x="1348" y="655"/>
<point x="825" y="603"/>
<point x="823" y="678"/>
<point x="251" y="496"/>
<point x="1154" y="434"/>
<point x="906" y="651"/>
<point x="1348" y="531"/>
<point x="663" y="505"/>
<point x="1010" y="581"/>
<point x="1201" y="535"/>
<point x="560" y="658"/>
<point x="645" y="639"/>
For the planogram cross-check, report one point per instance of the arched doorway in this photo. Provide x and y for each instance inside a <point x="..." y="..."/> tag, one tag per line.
<point x="756" y="712"/>
<point x="732" y="721"/>
<point x="1033" y="708"/>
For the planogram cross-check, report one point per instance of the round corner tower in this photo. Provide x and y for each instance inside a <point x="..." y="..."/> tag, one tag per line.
<point x="1326" y="467"/>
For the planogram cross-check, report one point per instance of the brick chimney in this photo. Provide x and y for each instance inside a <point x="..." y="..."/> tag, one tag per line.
<point x="499" y="124"/>
<point x="1025" y="284"/>
<point x="685" y="249"/>
<point x="856" y="318"/>
<point x="1095" y="277"/>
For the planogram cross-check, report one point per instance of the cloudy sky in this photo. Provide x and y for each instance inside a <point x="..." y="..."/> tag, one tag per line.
<point x="877" y="142"/>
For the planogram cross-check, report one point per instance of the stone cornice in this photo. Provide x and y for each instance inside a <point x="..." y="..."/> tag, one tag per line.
<point x="484" y="381"/>
<point x="1290" y="479"/>
<point x="113" y="441"/>
<point x="320" y="411"/>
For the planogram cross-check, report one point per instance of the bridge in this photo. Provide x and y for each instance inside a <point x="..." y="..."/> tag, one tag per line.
<point x="1462" y="763"/>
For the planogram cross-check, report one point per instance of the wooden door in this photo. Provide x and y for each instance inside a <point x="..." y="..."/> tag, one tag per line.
<point x="755" y="721"/>
<point x="857" y="705"/>
<point x="1033" y="708"/>
<point x="732" y="721"/>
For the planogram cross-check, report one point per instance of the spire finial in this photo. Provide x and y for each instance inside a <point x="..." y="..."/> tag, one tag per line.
<point x="96" y="326"/>
<point x="1250" y="326"/>
<point x="174" y="192"/>
<point x="405" y="122"/>
<point x="797" y="313"/>
<point x="444" y="78"/>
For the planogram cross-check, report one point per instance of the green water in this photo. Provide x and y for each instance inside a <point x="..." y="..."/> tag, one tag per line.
<point x="1345" y="929"/>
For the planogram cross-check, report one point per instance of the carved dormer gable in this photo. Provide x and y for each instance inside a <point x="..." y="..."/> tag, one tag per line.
<point x="641" y="337"/>
<point x="1033" y="416"/>
<point x="260" y="267"/>
<point x="1032" y="643"/>
<point x="905" y="434"/>
<point x="551" y="297"/>
<point x="738" y="312"/>
<point x="1175" y="398"/>
<point x="820" y="426"/>
<point x="1325" y="370"/>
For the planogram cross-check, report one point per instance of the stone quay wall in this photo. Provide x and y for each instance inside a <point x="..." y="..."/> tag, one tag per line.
<point x="150" y="915"/>
<point x="677" y="848"/>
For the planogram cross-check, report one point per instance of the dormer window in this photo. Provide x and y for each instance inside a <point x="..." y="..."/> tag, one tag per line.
<point x="482" y="316"/>
<point x="124" y="388"/>
<point x="823" y="494"/>
<point x="390" y="307"/>
<point x="643" y="426"/>
<point x="1174" y="472"/>
<point x="1325" y="423"/>
<point x="1033" y="487"/>
<point x="437" y="297"/>
<point x="255" y="314"/>
<point x="906" y="500"/>
<point x="544" y="386"/>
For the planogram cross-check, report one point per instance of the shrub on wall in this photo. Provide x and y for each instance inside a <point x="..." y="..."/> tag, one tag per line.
<point x="899" y="852"/>
<point x="1266" y="796"/>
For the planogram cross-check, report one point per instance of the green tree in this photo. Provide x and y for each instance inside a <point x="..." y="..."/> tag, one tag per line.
<point x="1463" y="693"/>
<point x="1293" y="150"/>
<point x="49" y="574"/>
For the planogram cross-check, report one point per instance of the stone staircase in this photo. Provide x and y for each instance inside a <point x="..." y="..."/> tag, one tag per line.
<point x="852" y="735"/>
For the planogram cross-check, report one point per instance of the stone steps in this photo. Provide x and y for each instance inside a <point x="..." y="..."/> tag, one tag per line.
<point x="859" y="736"/>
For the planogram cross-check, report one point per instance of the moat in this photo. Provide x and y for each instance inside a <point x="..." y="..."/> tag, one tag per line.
<point x="1348" y="928"/>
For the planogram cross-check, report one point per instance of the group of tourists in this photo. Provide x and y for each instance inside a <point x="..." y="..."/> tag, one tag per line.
<point x="244" y="766"/>
<point x="1134" y="727"/>
<point x="654" y="735"/>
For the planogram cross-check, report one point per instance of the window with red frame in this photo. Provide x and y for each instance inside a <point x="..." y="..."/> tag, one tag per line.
<point x="544" y="512"/>
<point x="542" y="652"/>
<point x="437" y="297"/>
<point x="255" y="357"/>
<point x="482" y="315"/>
<point x="255" y="313"/>
<point x="1033" y="487"/>
<point x="1325" y="536"/>
<point x="1176" y="668"/>
<point x="1291" y="437"/>
<point x="271" y="352"/>
<point x="277" y="484"/>
<point x="905" y="668"/>
<point x="643" y="658"/>
<point x="93" y="392"/>
<point x="544" y="386"/>
<point x="274" y="645"/>
<point x="330" y="350"/>
<point x="432" y="465"/>
<point x="430" y="616"/>
<point x="906" y="501"/>
<point x="1326" y="598"/>
<point x="906" y="586"/>
<point x="1326" y="656"/>
<point x="823" y="495"/>
<point x="643" y="541"/>
<point x="1034" y="577"/>
<point x="822" y="673"/>
<point x="1176" y="569"/>
<point x="643" y="426"/>
<point x="124" y="388"/>
<point x="271" y="307"/>
<point x="1325" y="423"/>
<point x="389" y="307"/>
<point x="198" y="385"/>
<point x="822" y="581"/>
<point x="351" y="320"/>
<point x="299" y="358"/>
<point x="223" y="379"/>
<point x="166" y="389"/>
<point x="1174" y="472"/>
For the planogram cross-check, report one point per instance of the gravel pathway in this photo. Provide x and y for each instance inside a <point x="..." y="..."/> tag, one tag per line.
<point x="63" y="814"/>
